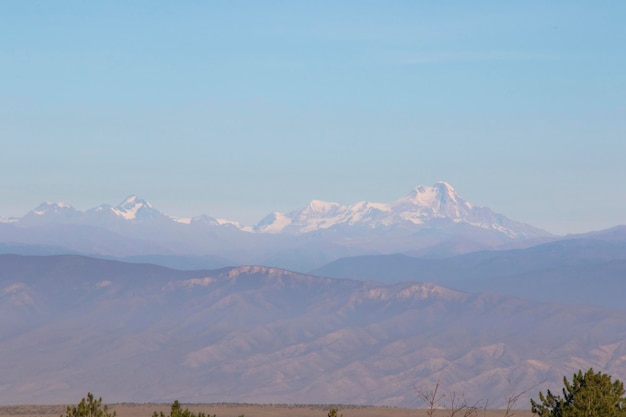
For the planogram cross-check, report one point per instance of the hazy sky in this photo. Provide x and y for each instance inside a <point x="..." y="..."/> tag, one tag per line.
<point x="236" y="109"/>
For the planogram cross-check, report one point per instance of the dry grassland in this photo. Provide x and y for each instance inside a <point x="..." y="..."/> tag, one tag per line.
<point x="248" y="410"/>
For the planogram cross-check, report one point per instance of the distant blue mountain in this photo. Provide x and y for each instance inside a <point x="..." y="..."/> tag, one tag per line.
<point x="582" y="270"/>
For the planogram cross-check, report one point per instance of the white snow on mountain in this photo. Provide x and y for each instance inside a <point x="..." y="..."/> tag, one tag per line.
<point x="421" y="205"/>
<point x="52" y="208"/>
<point x="274" y="223"/>
<point x="50" y="213"/>
<point x="438" y="201"/>
<point x="133" y="208"/>
<point x="208" y="221"/>
<point x="226" y="222"/>
<point x="323" y="215"/>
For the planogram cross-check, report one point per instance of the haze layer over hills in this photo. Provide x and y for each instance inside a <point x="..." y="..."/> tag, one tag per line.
<point x="258" y="334"/>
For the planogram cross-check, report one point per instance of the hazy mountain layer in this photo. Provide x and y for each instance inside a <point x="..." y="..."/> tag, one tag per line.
<point x="257" y="334"/>
<point x="587" y="269"/>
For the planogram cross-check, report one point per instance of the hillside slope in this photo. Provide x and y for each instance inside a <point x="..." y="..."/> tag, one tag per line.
<point x="258" y="334"/>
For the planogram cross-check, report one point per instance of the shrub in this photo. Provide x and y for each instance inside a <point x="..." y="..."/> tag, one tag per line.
<point x="588" y="395"/>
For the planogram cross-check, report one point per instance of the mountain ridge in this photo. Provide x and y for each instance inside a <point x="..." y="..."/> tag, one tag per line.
<point x="421" y="205"/>
<point x="587" y="269"/>
<point x="265" y="335"/>
<point x="434" y="220"/>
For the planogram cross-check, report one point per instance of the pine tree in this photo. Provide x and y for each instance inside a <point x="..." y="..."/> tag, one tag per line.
<point x="177" y="411"/>
<point x="89" y="407"/>
<point x="588" y="395"/>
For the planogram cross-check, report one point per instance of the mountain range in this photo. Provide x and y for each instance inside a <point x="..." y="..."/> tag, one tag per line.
<point x="435" y="221"/>
<point x="144" y="333"/>
<point x="389" y="297"/>
<point x="422" y="206"/>
<point x="583" y="269"/>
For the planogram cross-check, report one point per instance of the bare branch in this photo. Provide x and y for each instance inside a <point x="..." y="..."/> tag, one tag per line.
<point x="432" y="398"/>
<point x="457" y="405"/>
<point x="512" y="399"/>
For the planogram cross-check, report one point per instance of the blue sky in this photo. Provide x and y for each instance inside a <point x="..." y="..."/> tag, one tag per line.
<point x="235" y="109"/>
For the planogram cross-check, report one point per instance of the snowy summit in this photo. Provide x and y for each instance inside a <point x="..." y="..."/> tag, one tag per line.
<point x="136" y="208"/>
<point x="422" y="205"/>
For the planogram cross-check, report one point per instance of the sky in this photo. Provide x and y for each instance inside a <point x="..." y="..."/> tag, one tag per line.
<point x="236" y="109"/>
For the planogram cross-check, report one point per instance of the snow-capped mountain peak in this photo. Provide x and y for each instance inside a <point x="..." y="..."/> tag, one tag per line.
<point x="320" y="208"/>
<point x="52" y="208"/>
<point x="426" y="196"/>
<point x="440" y="200"/>
<point x="49" y="212"/>
<point x="273" y="223"/>
<point x="424" y="210"/>
<point x="134" y="208"/>
<point x="133" y="202"/>
<point x="419" y="208"/>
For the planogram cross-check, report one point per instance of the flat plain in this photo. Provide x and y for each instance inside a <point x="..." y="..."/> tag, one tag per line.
<point x="248" y="410"/>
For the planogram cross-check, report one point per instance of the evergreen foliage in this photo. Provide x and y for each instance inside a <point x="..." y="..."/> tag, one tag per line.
<point x="178" y="411"/>
<point x="333" y="413"/>
<point x="588" y="395"/>
<point x="89" y="407"/>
